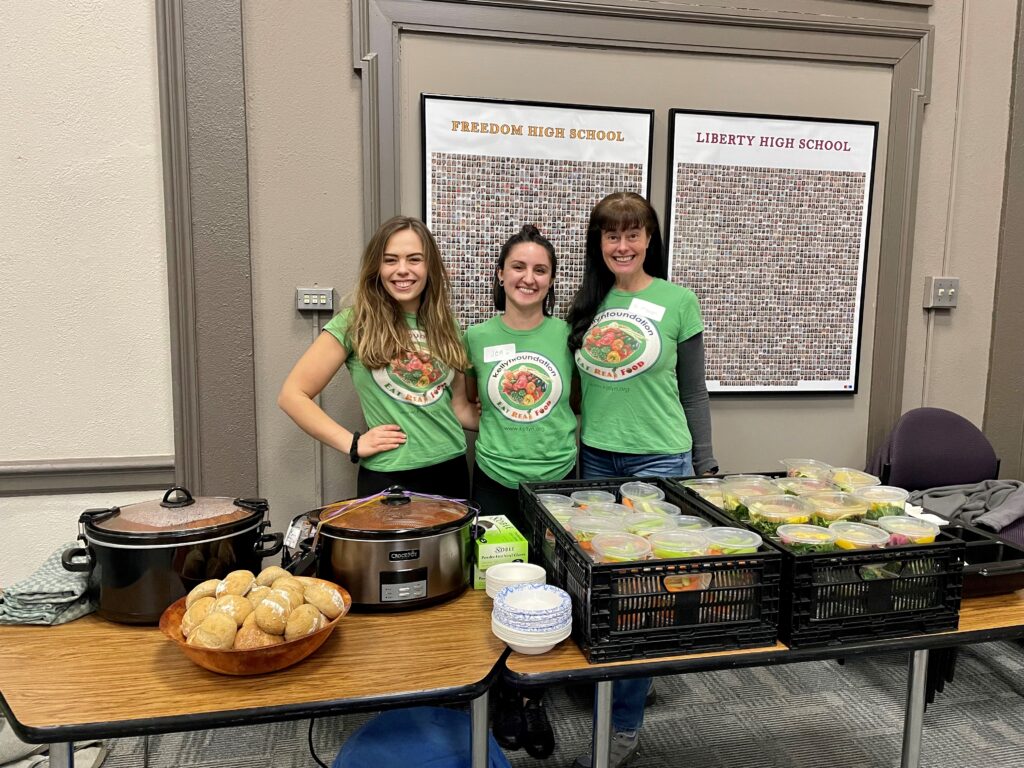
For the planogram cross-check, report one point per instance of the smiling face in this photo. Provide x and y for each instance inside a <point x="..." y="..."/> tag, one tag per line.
<point x="403" y="269"/>
<point x="527" y="277"/>
<point x="624" y="251"/>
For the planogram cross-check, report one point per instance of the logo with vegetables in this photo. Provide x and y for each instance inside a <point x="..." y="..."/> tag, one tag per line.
<point x="415" y="377"/>
<point x="619" y="345"/>
<point x="524" y="387"/>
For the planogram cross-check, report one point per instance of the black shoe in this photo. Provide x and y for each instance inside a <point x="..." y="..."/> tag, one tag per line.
<point x="507" y="720"/>
<point x="537" y="736"/>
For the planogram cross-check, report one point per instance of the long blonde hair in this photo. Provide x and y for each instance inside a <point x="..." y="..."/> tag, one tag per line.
<point x="378" y="332"/>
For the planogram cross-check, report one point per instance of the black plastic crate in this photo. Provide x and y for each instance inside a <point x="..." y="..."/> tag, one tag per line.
<point x="655" y="608"/>
<point x="992" y="566"/>
<point x="852" y="596"/>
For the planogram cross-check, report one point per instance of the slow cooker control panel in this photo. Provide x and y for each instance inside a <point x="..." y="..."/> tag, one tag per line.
<point x="398" y="586"/>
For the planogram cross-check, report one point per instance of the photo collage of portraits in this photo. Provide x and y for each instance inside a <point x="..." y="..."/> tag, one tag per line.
<point x="774" y="256"/>
<point x="477" y="202"/>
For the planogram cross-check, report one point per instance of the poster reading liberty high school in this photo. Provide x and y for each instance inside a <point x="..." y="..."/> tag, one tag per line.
<point x="768" y="225"/>
<point x="492" y="166"/>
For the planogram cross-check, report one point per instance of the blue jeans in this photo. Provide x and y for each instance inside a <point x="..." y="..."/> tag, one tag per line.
<point x="628" y="695"/>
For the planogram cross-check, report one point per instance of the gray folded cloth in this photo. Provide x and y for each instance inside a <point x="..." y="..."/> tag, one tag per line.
<point x="992" y="504"/>
<point x="51" y="595"/>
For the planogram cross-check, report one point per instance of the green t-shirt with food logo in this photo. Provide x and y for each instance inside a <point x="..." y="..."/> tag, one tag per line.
<point x="527" y="428"/>
<point x="413" y="392"/>
<point x="627" y="369"/>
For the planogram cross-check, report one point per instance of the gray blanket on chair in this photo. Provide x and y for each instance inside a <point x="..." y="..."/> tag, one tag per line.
<point x="992" y="504"/>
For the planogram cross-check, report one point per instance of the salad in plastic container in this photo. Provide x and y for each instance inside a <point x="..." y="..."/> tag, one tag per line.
<point x="767" y="513"/>
<point x="883" y="501"/>
<point x="620" y="548"/>
<point x="850" y="480"/>
<point x="678" y="543"/>
<point x="646" y="523"/>
<point x="858" y="536"/>
<point x="692" y="523"/>
<point x="806" y="468"/>
<point x="634" y="493"/>
<point x="802" y="486"/>
<point x="583" y="498"/>
<point x="833" y="506"/>
<point x="807" y="539"/>
<point x="731" y="541"/>
<point x="550" y="500"/>
<point x="903" y="530"/>
<point x="737" y="488"/>
<point x="602" y="508"/>
<point x="708" y="488"/>
<point x="660" y="507"/>
<point x="585" y="527"/>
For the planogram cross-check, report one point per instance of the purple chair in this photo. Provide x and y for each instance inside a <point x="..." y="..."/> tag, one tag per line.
<point x="932" y="447"/>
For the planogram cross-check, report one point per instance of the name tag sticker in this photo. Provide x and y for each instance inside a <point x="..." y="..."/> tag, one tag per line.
<point x="645" y="308"/>
<point x="500" y="352"/>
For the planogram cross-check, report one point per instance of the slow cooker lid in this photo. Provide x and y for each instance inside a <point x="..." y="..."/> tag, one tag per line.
<point x="177" y="512"/>
<point x="393" y="510"/>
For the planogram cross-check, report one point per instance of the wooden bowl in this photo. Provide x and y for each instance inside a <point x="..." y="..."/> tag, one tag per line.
<point x="255" y="661"/>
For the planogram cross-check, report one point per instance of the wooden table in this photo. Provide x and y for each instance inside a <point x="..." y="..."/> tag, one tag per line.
<point x="94" y="679"/>
<point x="999" y="617"/>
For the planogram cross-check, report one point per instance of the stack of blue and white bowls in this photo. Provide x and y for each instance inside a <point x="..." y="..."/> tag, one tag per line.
<point x="532" y="618"/>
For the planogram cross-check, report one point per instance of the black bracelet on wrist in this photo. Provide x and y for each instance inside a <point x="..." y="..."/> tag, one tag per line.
<point x="353" y="451"/>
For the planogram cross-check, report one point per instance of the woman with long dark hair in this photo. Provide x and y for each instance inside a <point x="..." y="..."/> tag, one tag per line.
<point x="639" y="347"/>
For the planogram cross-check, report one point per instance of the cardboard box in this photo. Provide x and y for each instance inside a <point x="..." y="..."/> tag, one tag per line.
<point x="501" y="542"/>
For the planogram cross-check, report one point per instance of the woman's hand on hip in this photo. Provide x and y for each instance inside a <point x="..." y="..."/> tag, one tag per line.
<point x="384" y="437"/>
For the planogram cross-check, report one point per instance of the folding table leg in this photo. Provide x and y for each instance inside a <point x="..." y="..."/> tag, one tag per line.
<point x="602" y="725"/>
<point x="478" y="730"/>
<point x="62" y="755"/>
<point x="913" y="721"/>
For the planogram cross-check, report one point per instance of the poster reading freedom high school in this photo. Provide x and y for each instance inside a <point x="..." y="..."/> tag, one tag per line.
<point x="491" y="166"/>
<point x="768" y="224"/>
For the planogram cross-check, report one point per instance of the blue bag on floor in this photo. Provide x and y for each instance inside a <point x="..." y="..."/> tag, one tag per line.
<point x="422" y="736"/>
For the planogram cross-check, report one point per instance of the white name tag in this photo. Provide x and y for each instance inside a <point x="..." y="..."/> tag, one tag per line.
<point x="645" y="308"/>
<point x="499" y="352"/>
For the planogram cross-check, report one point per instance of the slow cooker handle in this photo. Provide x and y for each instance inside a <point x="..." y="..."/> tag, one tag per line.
<point x="254" y="505"/>
<point x="179" y="502"/>
<point x="268" y="543"/>
<point x="68" y="559"/>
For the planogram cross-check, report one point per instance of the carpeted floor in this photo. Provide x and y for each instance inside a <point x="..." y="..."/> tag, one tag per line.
<point x="809" y="715"/>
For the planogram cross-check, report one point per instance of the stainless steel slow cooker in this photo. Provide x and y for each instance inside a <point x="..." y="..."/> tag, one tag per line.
<point x="396" y="549"/>
<point x="142" y="557"/>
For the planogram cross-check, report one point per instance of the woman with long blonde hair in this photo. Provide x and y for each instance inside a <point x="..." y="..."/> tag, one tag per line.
<point x="401" y="345"/>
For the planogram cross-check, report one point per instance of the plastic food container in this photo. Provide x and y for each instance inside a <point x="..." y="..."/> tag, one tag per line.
<point x="634" y="494"/>
<point x="607" y="508"/>
<point x="692" y="523"/>
<point x="583" y="498"/>
<point x="739" y="487"/>
<point x="620" y="548"/>
<point x="677" y="543"/>
<point x="646" y="523"/>
<point x="833" y="506"/>
<point x="550" y="500"/>
<point x="807" y="539"/>
<point x="802" y="486"/>
<point x="883" y="501"/>
<point x="908" y="530"/>
<point x="859" y="536"/>
<point x="708" y="488"/>
<point x="850" y="480"/>
<point x="806" y="468"/>
<point x="731" y="541"/>
<point x="661" y="507"/>
<point x="767" y="513"/>
<point x="585" y="527"/>
<point x="564" y="514"/>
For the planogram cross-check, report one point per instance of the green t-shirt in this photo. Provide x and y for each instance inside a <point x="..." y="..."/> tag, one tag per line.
<point x="413" y="392"/>
<point x="527" y="428"/>
<point x="628" y="370"/>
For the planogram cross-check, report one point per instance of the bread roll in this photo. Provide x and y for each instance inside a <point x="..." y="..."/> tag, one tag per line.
<point x="304" y="620"/>
<point x="305" y="581"/>
<point x="293" y="597"/>
<point x="288" y="582"/>
<point x="234" y="606"/>
<point x="195" y="615"/>
<point x="236" y="583"/>
<point x="256" y="595"/>
<point x="250" y="620"/>
<point x="272" y="614"/>
<point x="207" y="589"/>
<point x="269" y="575"/>
<point x="326" y="598"/>
<point x="254" y="637"/>
<point x="216" y="631"/>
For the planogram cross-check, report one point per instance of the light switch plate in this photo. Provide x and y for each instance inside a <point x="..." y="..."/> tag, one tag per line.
<point x="941" y="292"/>
<point x="315" y="299"/>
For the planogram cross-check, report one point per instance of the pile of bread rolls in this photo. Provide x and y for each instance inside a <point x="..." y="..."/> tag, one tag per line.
<point x="243" y="611"/>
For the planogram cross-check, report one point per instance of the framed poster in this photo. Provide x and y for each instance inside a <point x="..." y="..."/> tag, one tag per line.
<point x="490" y="166"/>
<point x="768" y="224"/>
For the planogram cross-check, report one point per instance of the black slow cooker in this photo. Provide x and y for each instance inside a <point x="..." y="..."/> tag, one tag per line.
<point x="142" y="557"/>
